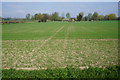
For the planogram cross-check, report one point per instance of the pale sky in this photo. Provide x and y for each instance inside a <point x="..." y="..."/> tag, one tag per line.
<point x="60" y="0"/>
<point x="20" y="9"/>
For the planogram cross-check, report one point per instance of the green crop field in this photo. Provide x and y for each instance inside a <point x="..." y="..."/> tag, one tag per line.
<point x="51" y="45"/>
<point x="76" y="30"/>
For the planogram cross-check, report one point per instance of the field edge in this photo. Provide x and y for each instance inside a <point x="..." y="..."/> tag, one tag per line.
<point x="68" y="72"/>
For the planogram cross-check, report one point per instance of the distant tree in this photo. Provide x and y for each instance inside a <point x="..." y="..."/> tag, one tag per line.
<point x="68" y="15"/>
<point x="55" y="16"/>
<point x="95" y="15"/>
<point x="32" y="18"/>
<point x="100" y="17"/>
<point x="0" y="18"/>
<point x="45" y="17"/>
<point x="106" y="17"/>
<point x="8" y="18"/>
<point x="27" y="16"/>
<point x="80" y="16"/>
<point x="35" y="16"/>
<point x="39" y="17"/>
<point x="89" y="16"/>
<point x="118" y="18"/>
<point x="112" y="16"/>
<point x="86" y="18"/>
<point x="83" y="19"/>
<point x="62" y="15"/>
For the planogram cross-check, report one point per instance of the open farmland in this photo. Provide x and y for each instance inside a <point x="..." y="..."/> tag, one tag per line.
<point x="76" y="30"/>
<point x="36" y="46"/>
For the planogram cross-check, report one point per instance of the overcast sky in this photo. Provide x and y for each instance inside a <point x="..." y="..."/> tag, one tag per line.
<point x="20" y="9"/>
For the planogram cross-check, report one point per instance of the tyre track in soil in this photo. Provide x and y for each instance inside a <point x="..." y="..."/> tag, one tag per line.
<point x="39" y="48"/>
<point x="49" y="38"/>
<point x="66" y="38"/>
<point x="65" y="46"/>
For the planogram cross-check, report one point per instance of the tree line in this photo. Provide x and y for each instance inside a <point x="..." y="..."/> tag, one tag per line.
<point x="80" y="17"/>
<point x="44" y="17"/>
<point x="55" y="17"/>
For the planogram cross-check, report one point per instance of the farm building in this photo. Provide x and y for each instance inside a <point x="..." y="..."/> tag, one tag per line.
<point x="66" y="19"/>
<point x="72" y="19"/>
<point x="69" y="20"/>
